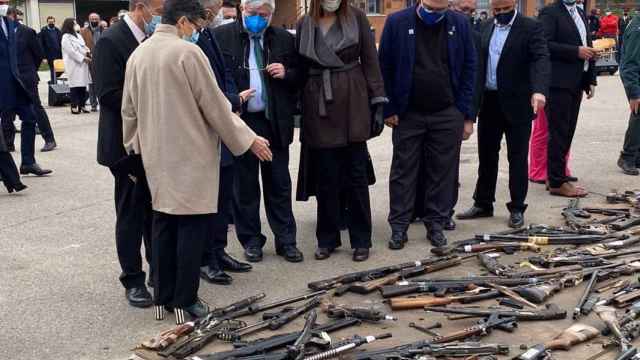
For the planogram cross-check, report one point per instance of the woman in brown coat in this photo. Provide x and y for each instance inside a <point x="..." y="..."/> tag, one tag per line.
<point x="342" y="86"/>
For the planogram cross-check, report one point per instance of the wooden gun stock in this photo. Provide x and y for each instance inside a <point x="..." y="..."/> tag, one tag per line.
<point x="407" y="303"/>
<point x="574" y="335"/>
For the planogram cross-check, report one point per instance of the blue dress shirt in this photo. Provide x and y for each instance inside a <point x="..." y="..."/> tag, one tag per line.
<point x="255" y="103"/>
<point x="498" y="39"/>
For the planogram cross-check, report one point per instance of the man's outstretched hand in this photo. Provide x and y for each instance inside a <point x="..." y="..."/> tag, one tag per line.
<point x="260" y="148"/>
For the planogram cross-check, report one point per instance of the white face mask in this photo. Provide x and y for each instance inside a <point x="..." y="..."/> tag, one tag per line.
<point x="76" y="28"/>
<point x="581" y="6"/>
<point x="4" y="9"/>
<point x="331" y="6"/>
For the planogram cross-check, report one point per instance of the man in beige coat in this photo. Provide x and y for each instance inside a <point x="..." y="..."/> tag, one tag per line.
<point x="174" y="116"/>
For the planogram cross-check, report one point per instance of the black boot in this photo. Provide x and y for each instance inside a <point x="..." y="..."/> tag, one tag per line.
<point x="627" y="168"/>
<point x="436" y="236"/>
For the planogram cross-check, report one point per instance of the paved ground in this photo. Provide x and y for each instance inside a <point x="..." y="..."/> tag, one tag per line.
<point x="59" y="292"/>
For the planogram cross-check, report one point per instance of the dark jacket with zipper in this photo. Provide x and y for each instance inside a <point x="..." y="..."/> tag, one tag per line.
<point x="278" y="45"/>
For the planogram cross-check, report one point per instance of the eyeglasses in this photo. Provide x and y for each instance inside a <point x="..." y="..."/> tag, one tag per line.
<point x="245" y="61"/>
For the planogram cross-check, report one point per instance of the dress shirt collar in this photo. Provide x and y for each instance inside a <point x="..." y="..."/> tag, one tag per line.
<point x="137" y="33"/>
<point x="571" y="8"/>
<point x="515" y="13"/>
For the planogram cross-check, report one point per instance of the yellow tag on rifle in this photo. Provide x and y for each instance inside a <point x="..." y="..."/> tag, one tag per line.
<point x="539" y="240"/>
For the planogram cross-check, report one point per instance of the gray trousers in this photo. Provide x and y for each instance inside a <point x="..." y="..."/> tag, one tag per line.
<point x="434" y="140"/>
<point x="631" y="149"/>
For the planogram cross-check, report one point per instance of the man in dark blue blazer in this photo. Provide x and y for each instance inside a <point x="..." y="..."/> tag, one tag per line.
<point x="51" y="39"/>
<point x="15" y="96"/>
<point x="428" y="62"/>
<point x="216" y="260"/>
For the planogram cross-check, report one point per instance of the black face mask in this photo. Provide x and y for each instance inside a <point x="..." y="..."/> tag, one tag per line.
<point x="505" y="18"/>
<point x="51" y="26"/>
<point x="95" y="24"/>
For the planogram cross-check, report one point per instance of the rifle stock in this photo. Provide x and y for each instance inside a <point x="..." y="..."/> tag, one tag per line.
<point x="572" y="336"/>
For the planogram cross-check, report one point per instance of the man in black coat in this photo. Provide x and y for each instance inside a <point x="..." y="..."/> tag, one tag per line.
<point x="572" y="72"/>
<point x="512" y="87"/>
<point x="216" y="260"/>
<point x="132" y="198"/>
<point x="29" y="59"/>
<point x="51" y="39"/>
<point x="263" y="58"/>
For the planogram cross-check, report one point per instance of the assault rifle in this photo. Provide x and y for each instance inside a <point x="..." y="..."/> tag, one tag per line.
<point x="443" y="286"/>
<point x="254" y="309"/>
<point x="426" y="348"/>
<point x="347" y="345"/>
<point x="575" y="334"/>
<point x="371" y="274"/>
<point x="506" y="247"/>
<point x="608" y="315"/>
<point x="334" y="311"/>
<point x="551" y="312"/>
<point x="483" y="328"/>
<point x="262" y="346"/>
<point x="407" y="303"/>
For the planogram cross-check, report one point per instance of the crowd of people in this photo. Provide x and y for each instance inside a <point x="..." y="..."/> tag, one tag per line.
<point x="201" y="145"/>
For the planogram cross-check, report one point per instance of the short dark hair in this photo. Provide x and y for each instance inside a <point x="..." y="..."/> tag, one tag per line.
<point x="68" y="27"/>
<point x="50" y="18"/>
<point x="229" y="4"/>
<point x="176" y="9"/>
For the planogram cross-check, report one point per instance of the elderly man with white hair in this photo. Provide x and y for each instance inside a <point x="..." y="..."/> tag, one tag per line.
<point x="264" y="60"/>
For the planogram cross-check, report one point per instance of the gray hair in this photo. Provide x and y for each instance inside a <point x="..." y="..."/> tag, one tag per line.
<point x="258" y="3"/>
<point x="208" y="3"/>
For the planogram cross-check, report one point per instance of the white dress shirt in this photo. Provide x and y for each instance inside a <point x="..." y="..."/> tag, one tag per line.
<point x="4" y="27"/>
<point x="582" y="28"/>
<point x="137" y="33"/>
<point x="255" y="103"/>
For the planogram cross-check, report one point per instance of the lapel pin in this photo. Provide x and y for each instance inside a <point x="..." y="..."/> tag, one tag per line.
<point x="452" y="31"/>
<point x="410" y="31"/>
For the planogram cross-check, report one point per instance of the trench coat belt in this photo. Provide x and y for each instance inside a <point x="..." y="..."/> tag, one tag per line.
<point x="327" y="92"/>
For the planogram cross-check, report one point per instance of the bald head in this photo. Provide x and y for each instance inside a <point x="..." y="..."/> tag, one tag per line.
<point x="467" y="7"/>
<point x="502" y="6"/>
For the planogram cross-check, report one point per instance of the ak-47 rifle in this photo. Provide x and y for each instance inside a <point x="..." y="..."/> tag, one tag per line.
<point x="372" y="274"/>
<point x="482" y="328"/>
<point x="443" y="286"/>
<point x="347" y="345"/>
<point x="492" y="265"/>
<point x="575" y="334"/>
<point x="608" y="315"/>
<point x="567" y="239"/>
<point x="340" y="311"/>
<point x="573" y="213"/>
<point x="426" y="348"/>
<point x="506" y="247"/>
<point x="262" y="346"/>
<point x="408" y="303"/>
<point x="551" y="312"/>
<point x="540" y="293"/>
<point x="254" y="309"/>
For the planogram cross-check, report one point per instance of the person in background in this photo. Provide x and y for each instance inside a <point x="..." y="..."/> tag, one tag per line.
<point x="594" y="22"/>
<point x="216" y="260"/>
<point x="132" y="198"/>
<point x="166" y="120"/>
<point x="629" y="160"/>
<point x="51" y="39"/>
<point x="572" y="73"/>
<point x="264" y="60"/>
<point x="514" y="82"/>
<point x="30" y="49"/>
<point x="113" y="21"/>
<point x="16" y="99"/>
<point x="622" y="25"/>
<point x="77" y="57"/>
<point x="228" y="12"/>
<point x="91" y="34"/>
<point x="538" y="151"/>
<point x="104" y="25"/>
<point x="429" y="122"/>
<point x="609" y="26"/>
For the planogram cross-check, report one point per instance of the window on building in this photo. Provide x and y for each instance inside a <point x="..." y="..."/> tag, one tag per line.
<point x="368" y="6"/>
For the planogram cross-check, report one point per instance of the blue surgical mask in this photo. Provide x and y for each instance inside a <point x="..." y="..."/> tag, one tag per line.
<point x="255" y="23"/>
<point x="430" y="17"/>
<point x="195" y="35"/>
<point x="150" y="27"/>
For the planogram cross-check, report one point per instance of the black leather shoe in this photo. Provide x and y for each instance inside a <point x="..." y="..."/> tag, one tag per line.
<point x="361" y="254"/>
<point x="437" y="238"/>
<point x="253" y="254"/>
<point x="150" y="281"/>
<point x="34" y="169"/>
<point x="139" y="297"/>
<point x="49" y="146"/>
<point x="627" y="168"/>
<point x="197" y="310"/>
<point x="474" y="213"/>
<point x="516" y="220"/>
<point x="16" y="187"/>
<point x="450" y="225"/>
<point x="232" y="265"/>
<point x="290" y="253"/>
<point x="215" y="276"/>
<point x="323" y="253"/>
<point x="398" y="239"/>
<point x="572" y="179"/>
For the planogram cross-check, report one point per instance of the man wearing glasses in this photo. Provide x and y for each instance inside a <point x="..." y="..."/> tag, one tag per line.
<point x="263" y="59"/>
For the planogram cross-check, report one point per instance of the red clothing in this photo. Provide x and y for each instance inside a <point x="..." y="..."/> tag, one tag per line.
<point x="538" y="149"/>
<point x="608" y="26"/>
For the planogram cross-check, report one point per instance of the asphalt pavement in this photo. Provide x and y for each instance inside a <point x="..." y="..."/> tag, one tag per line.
<point x="60" y="297"/>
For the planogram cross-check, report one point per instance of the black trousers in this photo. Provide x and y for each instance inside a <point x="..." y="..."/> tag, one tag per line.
<point x="52" y="71"/>
<point x="342" y="171"/>
<point x="133" y="225"/>
<point x="40" y="115"/>
<point x="563" y="107"/>
<point x="178" y="241"/>
<point x="27" y="131"/>
<point x="492" y="125"/>
<point x="93" y="97"/>
<point x="631" y="149"/>
<point x="276" y="185"/>
<point x="8" y="170"/>
<point x="78" y="96"/>
<point x="435" y="140"/>
<point x="217" y="241"/>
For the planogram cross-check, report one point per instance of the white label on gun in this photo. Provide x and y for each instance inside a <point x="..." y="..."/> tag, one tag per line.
<point x="403" y="283"/>
<point x="529" y="354"/>
<point x="467" y="248"/>
<point x="418" y="263"/>
<point x="486" y="237"/>
<point x="493" y="255"/>
<point x="616" y="243"/>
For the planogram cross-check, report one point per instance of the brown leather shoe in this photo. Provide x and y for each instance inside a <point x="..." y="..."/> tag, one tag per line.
<point x="568" y="190"/>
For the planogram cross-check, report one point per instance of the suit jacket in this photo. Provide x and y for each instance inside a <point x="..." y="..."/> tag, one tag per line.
<point x="31" y="54"/>
<point x="110" y="60"/>
<point x="563" y="38"/>
<point x="398" y="55"/>
<point x="51" y="40"/>
<point x="87" y="35"/>
<point x="12" y="88"/>
<point x="176" y="121"/>
<point x="523" y="68"/>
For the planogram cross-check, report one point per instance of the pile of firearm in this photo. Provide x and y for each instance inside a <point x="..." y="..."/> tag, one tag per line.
<point x="601" y="256"/>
